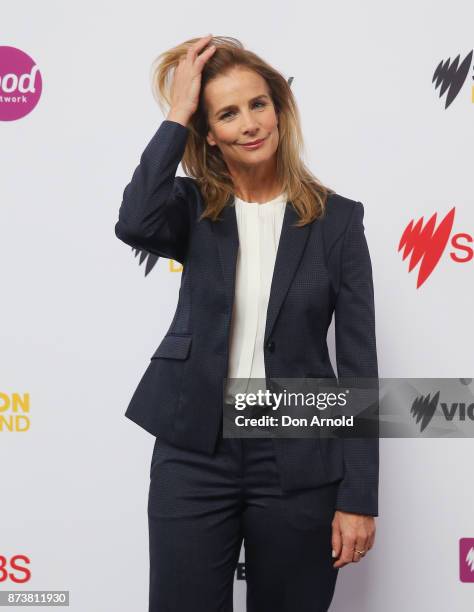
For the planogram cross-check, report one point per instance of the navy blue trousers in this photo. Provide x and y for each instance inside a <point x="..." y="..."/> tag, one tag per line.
<point x="201" y="508"/>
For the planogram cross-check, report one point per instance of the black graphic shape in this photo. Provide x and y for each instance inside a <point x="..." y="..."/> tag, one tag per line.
<point x="423" y="409"/>
<point x="150" y="258"/>
<point x="449" y="75"/>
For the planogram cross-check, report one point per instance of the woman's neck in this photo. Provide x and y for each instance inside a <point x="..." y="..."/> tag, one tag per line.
<point x="258" y="193"/>
<point x="256" y="184"/>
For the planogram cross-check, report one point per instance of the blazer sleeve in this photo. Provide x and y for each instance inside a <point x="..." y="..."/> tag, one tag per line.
<point x="356" y="356"/>
<point x="154" y="214"/>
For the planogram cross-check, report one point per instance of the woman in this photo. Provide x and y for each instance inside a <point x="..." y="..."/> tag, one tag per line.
<point x="268" y="255"/>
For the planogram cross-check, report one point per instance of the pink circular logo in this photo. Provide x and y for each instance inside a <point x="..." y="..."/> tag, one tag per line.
<point x="20" y="84"/>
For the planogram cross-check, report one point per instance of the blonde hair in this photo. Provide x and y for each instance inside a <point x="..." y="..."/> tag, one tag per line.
<point x="205" y="163"/>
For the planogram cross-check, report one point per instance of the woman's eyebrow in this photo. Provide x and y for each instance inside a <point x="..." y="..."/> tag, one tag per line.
<point x="232" y="106"/>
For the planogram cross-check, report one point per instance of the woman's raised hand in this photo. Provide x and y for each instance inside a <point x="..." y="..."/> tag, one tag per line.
<point x="186" y="83"/>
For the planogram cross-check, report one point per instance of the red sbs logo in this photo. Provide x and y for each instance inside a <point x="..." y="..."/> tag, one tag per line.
<point x="14" y="569"/>
<point x="426" y="243"/>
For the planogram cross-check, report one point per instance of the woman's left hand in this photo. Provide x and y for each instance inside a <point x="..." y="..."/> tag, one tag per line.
<point x="350" y="533"/>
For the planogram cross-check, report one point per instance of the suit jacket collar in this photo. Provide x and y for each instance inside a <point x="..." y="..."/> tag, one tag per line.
<point x="289" y="252"/>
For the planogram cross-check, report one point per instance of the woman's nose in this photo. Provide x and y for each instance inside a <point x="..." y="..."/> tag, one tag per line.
<point x="249" y="124"/>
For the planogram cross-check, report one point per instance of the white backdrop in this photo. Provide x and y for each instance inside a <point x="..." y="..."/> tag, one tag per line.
<point x="80" y="319"/>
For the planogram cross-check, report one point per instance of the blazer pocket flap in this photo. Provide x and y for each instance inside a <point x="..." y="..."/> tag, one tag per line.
<point x="174" y="347"/>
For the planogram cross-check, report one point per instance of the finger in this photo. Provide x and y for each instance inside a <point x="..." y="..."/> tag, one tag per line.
<point x="200" y="44"/>
<point x="204" y="56"/>
<point x="198" y="61"/>
<point x="361" y="543"/>
<point x="346" y="553"/>
<point x="336" y="541"/>
<point x="371" y="541"/>
<point x="339" y="563"/>
<point x="370" y="538"/>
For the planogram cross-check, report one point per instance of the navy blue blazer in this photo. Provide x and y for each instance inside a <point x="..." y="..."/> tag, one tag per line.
<point x="321" y="268"/>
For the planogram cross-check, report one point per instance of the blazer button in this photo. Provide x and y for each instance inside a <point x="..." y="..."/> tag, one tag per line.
<point x="271" y="345"/>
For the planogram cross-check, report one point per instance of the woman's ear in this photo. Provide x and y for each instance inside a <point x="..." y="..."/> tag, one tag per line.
<point x="210" y="140"/>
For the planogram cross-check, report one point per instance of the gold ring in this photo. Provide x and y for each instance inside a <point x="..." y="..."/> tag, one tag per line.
<point x="361" y="552"/>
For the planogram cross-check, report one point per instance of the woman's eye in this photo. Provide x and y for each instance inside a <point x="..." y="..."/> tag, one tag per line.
<point x="229" y="113"/>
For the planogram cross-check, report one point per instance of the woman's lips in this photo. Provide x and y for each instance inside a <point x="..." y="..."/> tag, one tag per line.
<point x="254" y="145"/>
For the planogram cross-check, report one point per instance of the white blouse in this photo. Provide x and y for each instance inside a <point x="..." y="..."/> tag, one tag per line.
<point x="259" y="227"/>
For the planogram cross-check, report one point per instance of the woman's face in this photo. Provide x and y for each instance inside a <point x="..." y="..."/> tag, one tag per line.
<point x="240" y="110"/>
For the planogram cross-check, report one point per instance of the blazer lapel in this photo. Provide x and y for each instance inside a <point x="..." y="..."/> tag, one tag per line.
<point x="289" y="252"/>
<point x="227" y="235"/>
